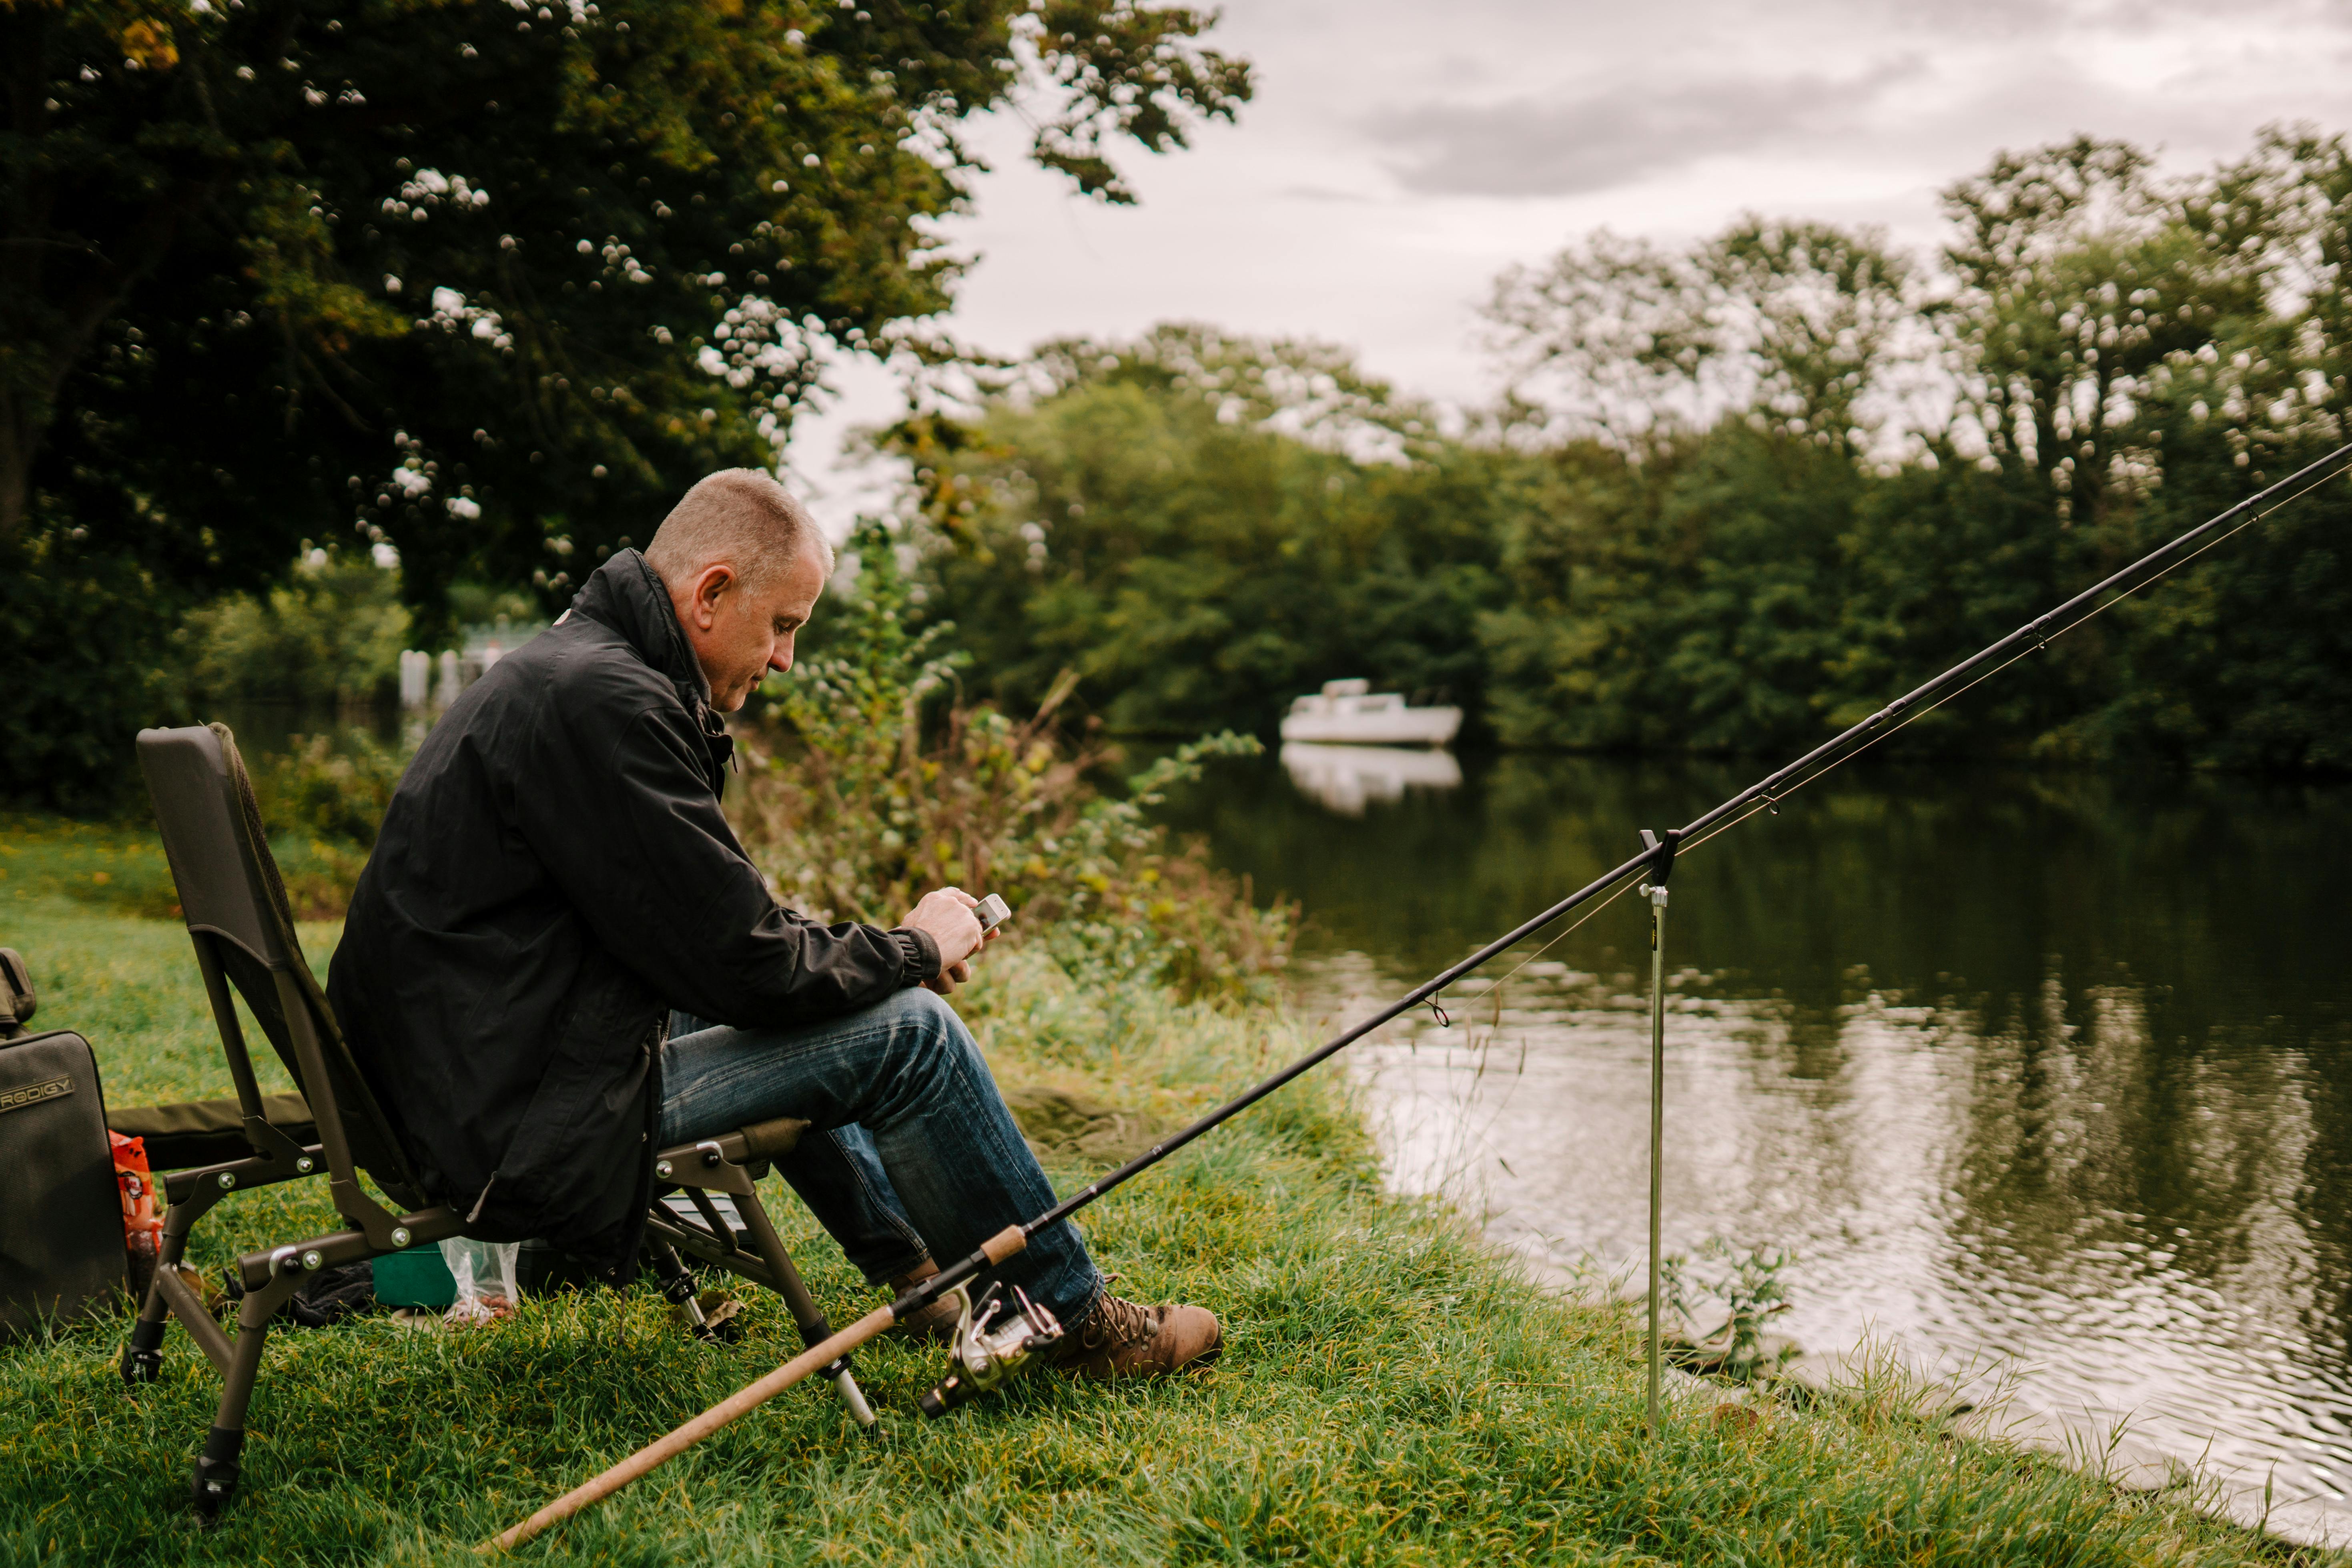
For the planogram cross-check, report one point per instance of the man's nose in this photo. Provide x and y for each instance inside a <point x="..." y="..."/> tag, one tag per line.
<point x="781" y="658"/>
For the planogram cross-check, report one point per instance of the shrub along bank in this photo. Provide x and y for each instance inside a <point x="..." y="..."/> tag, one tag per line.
<point x="1391" y="1391"/>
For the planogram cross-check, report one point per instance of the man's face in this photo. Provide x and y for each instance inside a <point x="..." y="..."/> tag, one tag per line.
<point x="739" y="637"/>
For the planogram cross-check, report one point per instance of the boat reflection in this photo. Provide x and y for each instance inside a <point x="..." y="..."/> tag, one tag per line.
<point x="1345" y="779"/>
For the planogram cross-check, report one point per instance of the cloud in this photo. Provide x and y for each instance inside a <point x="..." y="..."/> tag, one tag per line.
<point x="1539" y="147"/>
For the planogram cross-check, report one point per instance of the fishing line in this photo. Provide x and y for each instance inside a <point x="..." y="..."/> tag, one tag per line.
<point x="1764" y="794"/>
<point x="1566" y="932"/>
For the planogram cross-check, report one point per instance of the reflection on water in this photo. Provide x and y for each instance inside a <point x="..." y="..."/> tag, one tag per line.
<point x="1345" y="779"/>
<point x="2048" y="1067"/>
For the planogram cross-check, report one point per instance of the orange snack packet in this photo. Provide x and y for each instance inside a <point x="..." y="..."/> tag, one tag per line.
<point x="143" y="1227"/>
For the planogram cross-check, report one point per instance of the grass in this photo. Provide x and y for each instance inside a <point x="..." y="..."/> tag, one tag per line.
<point x="1391" y="1391"/>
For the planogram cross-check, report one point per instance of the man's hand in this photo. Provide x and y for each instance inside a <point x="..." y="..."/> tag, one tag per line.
<point x="946" y="914"/>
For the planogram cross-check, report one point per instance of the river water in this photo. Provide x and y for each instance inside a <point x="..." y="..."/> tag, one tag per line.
<point x="2043" y="1071"/>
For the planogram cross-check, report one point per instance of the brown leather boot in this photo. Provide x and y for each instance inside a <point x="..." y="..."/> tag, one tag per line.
<point x="934" y="1323"/>
<point x="1121" y="1338"/>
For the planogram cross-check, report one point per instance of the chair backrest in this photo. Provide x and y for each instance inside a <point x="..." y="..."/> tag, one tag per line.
<point x="236" y="906"/>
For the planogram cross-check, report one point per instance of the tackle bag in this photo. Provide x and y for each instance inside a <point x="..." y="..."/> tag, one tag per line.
<point x="61" y="1248"/>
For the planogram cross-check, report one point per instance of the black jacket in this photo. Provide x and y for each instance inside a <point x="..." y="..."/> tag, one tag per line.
<point x="553" y="878"/>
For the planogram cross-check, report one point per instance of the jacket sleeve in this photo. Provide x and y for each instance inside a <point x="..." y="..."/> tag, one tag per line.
<point x="629" y="830"/>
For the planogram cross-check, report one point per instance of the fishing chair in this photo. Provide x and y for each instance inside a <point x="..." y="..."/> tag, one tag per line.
<point x="238" y="917"/>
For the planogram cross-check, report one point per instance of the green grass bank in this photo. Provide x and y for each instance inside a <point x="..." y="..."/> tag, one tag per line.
<point x="1391" y="1390"/>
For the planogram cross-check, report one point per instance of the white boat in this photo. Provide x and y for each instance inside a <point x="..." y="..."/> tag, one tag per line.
<point x="1350" y="713"/>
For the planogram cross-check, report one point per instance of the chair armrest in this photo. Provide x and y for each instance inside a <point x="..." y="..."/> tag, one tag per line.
<point x="746" y="1146"/>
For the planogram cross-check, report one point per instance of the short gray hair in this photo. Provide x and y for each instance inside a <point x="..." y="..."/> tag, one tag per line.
<point x="740" y="516"/>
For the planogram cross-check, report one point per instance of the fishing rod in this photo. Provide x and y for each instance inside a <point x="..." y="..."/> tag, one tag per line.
<point x="1656" y="858"/>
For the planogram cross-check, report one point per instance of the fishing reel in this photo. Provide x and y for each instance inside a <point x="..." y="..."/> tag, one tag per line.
<point x="982" y="1358"/>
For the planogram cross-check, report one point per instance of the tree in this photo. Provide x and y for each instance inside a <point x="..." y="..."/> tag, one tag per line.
<point x="1608" y="338"/>
<point x="1202" y="526"/>
<point x="490" y="280"/>
<point x="2242" y="660"/>
<point x="2078" y="279"/>
<point x="1791" y="322"/>
<point x="487" y="279"/>
<point x="1814" y="314"/>
<point x="1687" y="601"/>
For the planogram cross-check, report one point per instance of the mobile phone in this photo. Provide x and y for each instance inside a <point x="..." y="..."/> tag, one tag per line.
<point x="992" y="911"/>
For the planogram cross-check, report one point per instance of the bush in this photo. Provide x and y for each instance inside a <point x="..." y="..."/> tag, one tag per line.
<point x="855" y="805"/>
<point x="330" y="786"/>
<point x="323" y="799"/>
<point x="333" y="632"/>
<point x="84" y="664"/>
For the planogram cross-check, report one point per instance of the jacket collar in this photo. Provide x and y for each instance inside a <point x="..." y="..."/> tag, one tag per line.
<point x="625" y="595"/>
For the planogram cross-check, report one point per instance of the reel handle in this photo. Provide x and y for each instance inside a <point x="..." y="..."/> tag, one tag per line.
<point x="952" y="1391"/>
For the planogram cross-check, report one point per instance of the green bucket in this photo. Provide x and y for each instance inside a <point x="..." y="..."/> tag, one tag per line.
<point x="416" y="1277"/>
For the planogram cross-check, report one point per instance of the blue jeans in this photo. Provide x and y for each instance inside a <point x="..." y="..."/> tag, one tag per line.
<point x="911" y="1154"/>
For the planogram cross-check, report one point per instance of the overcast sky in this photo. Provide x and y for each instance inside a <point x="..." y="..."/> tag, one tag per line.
<point x="1399" y="155"/>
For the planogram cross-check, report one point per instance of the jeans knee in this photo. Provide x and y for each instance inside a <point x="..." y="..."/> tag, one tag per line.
<point x="925" y="1018"/>
<point x="915" y="1009"/>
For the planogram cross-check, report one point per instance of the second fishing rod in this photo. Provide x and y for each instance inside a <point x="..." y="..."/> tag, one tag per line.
<point x="995" y="1356"/>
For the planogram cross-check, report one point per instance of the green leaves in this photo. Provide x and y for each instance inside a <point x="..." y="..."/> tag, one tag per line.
<point x="331" y="635"/>
<point x="568" y="257"/>
<point x="877" y="786"/>
<point x="1126" y="70"/>
<point x="489" y="280"/>
<point x="1202" y="526"/>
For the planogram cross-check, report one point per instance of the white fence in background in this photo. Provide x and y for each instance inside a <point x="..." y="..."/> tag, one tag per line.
<point x="456" y="670"/>
<point x="416" y="677"/>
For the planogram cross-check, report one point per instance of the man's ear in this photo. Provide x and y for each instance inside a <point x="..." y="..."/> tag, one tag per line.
<point x="709" y="588"/>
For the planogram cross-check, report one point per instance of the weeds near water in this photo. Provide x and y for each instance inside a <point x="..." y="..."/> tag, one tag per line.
<point x="1750" y="1287"/>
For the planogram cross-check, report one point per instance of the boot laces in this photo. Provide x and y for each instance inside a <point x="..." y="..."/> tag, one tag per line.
<point x="1117" y="1322"/>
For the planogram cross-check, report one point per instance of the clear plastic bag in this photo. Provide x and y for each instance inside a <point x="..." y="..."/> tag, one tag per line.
<point x="485" y="1273"/>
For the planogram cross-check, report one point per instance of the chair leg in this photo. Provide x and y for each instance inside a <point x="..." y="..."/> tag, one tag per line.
<point x="142" y="1358"/>
<point x="677" y="1288"/>
<point x="806" y="1315"/>
<point x="213" y="1485"/>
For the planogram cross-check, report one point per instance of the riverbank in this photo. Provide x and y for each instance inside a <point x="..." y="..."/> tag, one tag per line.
<point x="1391" y="1390"/>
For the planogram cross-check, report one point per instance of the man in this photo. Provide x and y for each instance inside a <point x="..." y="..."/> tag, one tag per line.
<point x="554" y="883"/>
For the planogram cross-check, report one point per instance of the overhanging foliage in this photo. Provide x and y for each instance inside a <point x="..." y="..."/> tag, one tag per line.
<point x="495" y="279"/>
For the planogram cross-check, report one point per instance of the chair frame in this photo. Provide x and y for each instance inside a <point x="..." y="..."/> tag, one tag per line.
<point x="244" y="943"/>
